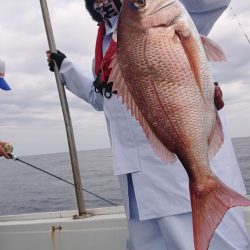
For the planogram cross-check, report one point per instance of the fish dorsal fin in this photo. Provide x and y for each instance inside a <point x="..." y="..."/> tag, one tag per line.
<point x="122" y="90"/>
<point x="217" y="138"/>
<point x="213" y="51"/>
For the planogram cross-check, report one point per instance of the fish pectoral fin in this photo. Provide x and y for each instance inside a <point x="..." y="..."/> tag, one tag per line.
<point x="213" y="51"/>
<point x="191" y="49"/>
<point x="208" y="210"/>
<point x="217" y="138"/>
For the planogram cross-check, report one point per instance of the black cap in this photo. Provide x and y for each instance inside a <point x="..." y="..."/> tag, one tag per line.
<point x="90" y="7"/>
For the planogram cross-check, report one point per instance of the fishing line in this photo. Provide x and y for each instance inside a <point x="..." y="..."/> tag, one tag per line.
<point x="240" y="25"/>
<point x="15" y="158"/>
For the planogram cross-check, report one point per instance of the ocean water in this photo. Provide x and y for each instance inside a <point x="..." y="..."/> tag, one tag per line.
<point x="27" y="190"/>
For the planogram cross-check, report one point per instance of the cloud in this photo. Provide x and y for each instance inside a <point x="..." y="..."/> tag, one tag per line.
<point x="31" y="116"/>
<point x="234" y="74"/>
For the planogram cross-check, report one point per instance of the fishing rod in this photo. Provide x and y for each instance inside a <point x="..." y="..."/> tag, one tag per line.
<point x="15" y="158"/>
<point x="240" y="25"/>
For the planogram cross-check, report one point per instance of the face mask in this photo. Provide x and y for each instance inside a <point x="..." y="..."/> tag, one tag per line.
<point x="108" y="9"/>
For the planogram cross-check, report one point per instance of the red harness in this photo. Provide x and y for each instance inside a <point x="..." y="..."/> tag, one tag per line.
<point x="102" y="63"/>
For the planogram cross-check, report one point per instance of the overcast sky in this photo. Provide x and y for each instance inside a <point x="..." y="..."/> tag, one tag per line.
<point x="31" y="117"/>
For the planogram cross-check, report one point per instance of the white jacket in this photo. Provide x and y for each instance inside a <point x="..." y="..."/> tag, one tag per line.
<point x="160" y="189"/>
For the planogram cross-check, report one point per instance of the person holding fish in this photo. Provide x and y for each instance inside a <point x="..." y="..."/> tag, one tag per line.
<point x="172" y="153"/>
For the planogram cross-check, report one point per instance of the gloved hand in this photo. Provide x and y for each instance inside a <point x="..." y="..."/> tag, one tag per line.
<point x="57" y="57"/>
<point x="218" y="101"/>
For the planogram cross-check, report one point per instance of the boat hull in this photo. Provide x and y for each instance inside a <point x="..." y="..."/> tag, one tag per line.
<point x="106" y="229"/>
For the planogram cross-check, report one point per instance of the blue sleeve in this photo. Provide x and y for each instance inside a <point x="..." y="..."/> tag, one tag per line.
<point x="205" y="12"/>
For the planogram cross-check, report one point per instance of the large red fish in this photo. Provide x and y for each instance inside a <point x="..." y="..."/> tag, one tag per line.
<point x="161" y="72"/>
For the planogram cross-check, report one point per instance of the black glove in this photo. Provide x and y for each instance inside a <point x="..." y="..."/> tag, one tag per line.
<point x="58" y="58"/>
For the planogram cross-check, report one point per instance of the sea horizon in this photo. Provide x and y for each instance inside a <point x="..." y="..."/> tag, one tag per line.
<point x="24" y="189"/>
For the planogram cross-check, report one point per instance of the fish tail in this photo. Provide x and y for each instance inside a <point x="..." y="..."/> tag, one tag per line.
<point x="209" y="208"/>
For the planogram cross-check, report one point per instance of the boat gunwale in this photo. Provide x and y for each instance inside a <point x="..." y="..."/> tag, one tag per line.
<point x="62" y="214"/>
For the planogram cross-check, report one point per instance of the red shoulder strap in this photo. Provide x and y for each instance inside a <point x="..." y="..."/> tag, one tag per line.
<point x="102" y="63"/>
<point x="107" y="60"/>
<point x="98" y="47"/>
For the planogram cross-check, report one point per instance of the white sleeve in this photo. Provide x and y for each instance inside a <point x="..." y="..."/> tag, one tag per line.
<point x="205" y="12"/>
<point x="80" y="83"/>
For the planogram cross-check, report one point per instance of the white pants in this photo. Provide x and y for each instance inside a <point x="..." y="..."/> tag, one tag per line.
<point x="176" y="233"/>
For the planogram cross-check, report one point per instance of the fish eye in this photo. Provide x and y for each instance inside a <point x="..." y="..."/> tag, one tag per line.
<point x="140" y="3"/>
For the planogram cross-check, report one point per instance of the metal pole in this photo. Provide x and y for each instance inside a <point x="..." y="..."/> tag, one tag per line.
<point x="65" y="110"/>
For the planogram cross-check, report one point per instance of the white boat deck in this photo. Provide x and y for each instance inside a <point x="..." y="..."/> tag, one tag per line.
<point x="106" y="229"/>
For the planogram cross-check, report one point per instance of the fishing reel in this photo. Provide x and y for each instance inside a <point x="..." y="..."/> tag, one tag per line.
<point x="8" y="148"/>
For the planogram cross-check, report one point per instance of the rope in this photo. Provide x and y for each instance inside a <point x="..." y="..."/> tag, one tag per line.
<point x="15" y="158"/>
